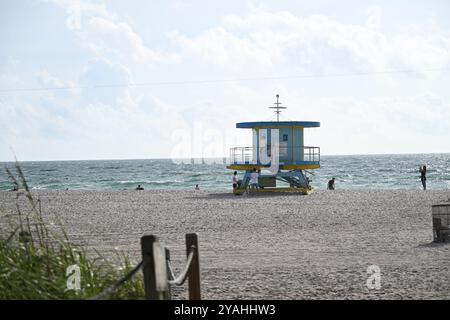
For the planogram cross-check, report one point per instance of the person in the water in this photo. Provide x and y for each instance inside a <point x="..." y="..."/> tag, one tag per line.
<point x="139" y="187"/>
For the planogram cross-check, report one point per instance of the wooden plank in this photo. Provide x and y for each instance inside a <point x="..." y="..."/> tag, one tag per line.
<point x="159" y="256"/>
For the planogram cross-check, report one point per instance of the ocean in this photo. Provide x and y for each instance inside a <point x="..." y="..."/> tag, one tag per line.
<point x="351" y="172"/>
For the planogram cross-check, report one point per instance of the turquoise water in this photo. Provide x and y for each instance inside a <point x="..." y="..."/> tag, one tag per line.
<point x="351" y="172"/>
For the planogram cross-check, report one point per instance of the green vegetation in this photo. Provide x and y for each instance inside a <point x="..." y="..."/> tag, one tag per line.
<point x="35" y="256"/>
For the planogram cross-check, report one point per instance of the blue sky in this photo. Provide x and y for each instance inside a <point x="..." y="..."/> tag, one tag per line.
<point x="152" y="79"/>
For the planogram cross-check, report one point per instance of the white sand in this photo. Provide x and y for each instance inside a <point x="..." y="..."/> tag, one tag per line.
<point x="272" y="247"/>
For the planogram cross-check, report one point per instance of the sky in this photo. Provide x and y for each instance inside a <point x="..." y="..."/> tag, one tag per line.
<point x="170" y="79"/>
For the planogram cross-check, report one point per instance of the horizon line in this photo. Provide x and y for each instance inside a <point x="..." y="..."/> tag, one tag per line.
<point x="195" y="158"/>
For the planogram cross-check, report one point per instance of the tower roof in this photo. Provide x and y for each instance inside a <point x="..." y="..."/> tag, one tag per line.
<point x="278" y="124"/>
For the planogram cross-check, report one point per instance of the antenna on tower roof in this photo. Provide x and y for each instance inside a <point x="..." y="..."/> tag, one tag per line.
<point x="278" y="108"/>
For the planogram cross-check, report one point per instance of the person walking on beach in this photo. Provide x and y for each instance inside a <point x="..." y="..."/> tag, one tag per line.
<point x="331" y="184"/>
<point x="197" y="187"/>
<point x="254" y="179"/>
<point x="423" y="176"/>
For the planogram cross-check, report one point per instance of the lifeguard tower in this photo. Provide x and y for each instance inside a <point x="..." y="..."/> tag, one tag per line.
<point x="279" y="155"/>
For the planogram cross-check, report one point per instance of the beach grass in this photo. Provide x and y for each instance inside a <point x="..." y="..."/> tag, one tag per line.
<point x="37" y="260"/>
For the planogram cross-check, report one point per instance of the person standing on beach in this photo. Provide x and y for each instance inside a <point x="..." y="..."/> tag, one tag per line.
<point x="423" y="176"/>
<point x="235" y="180"/>
<point x="331" y="184"/>
<point x="254" y="179"/>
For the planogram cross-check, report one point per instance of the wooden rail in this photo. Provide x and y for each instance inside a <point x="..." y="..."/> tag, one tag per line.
<point x="158" y="273"/>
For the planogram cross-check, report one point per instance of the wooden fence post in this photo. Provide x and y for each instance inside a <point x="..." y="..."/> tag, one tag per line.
<point x="149" y="267"/>
<point x="194" y="270"/>
<point x="155" y="268"/>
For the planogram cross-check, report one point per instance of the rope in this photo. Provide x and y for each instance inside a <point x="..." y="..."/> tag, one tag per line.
<point x="171" y="273"/>
<point x="119" y="283"/>
<point x="182" y="277"/>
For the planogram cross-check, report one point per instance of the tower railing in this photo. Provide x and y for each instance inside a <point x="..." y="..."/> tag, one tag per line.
<point x="245" y="155"/>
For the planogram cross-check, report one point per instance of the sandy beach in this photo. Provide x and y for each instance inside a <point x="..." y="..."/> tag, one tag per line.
<point x="271" y="246"/>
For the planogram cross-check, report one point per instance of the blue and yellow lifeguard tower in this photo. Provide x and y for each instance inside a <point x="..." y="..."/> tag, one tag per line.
<point x="279" y="155"/>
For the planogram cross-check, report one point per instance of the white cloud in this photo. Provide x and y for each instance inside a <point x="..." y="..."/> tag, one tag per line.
<point x="106" y="37"/>
<point x="85" y="8"/>
<point x="222" y="48"/>
<point x="315" y="42"/>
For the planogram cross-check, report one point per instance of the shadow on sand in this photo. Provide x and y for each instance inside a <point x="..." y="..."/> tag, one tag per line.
<point x="230" y="195"/>
<point x="433" y="245"/>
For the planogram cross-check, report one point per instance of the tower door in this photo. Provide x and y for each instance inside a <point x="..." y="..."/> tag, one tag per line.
<point x="298" y="144"/>
<point x="285" y="148"/>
